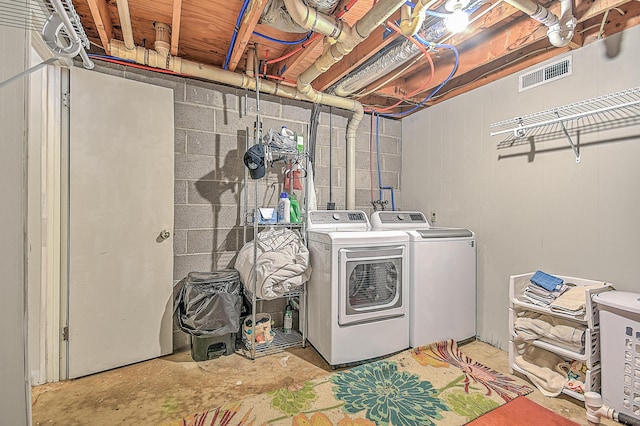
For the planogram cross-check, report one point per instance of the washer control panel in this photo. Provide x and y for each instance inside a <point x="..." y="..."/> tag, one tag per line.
<point x="411" y="220"/>
<point x="332" y="219"/>
<point x="317" y="217"/>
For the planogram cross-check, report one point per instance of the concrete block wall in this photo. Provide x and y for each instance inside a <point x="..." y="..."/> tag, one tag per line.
<point x="211" y="123"/>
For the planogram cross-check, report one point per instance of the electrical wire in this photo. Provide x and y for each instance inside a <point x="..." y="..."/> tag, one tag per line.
<point x="275" y="40"/>
<point x="423" y="85"/>
<point x="484" y="74"/>
<point x="438" y="14"/>
<point x="453" y="71"/>
<point x="235" y="34"/>
<point x="371" y="158"/>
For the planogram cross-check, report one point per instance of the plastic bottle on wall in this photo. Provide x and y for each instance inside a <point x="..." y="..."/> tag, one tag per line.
<point x="284" y="208"/>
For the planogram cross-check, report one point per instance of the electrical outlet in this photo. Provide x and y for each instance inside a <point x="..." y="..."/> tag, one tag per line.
<point x="434" y="217"/>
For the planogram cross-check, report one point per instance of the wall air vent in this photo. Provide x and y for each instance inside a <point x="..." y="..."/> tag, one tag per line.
<point x="545" y="74"/>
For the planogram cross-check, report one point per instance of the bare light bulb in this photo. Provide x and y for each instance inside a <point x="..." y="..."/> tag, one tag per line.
<point x="458" y="20"/>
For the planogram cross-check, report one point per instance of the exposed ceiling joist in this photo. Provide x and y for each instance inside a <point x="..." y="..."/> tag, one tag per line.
<point x="290" y="64"/>
<point x="500" y="40"/>
<point x="102" y="19"/>
<point x="499" y="45"/>
<point x="247" y="25"/>
<point x="175" y="26"/>
<point x="482" y="56"/>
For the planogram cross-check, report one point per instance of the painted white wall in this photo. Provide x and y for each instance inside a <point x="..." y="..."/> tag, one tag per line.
<point x="533" y="212"/>
<point x="14" y="385"/>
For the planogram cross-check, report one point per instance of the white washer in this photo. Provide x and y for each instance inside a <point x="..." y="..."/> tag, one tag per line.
<point x="358" y="292"/>
<point x="442" y="289"/>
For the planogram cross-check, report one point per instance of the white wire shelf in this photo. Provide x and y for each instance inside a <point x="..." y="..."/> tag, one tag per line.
<point x="614" y="110"/>
<point x="281" y="341"/>
<point x="57" y="23"/>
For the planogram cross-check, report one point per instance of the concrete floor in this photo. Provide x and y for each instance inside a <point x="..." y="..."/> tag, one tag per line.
<point x="168" y="388"/>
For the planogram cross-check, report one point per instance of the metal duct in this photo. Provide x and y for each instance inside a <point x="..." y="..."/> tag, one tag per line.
<point x="395" y="56"/>
<point x="276" y="15"/>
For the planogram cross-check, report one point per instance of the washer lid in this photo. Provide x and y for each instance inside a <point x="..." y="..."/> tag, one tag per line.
<point x="623" y="300"/>
<point x="444" y="233"/>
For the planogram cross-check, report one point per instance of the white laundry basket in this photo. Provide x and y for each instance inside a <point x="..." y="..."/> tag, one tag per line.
<point x="620" y="350"/>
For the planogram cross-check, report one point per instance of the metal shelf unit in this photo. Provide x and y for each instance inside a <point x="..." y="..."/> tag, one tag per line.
<point x="281" y="340"/>
<point x="603" y="112"/>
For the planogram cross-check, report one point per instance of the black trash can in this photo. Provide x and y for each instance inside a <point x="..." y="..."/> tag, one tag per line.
<point x="208" y="306"/>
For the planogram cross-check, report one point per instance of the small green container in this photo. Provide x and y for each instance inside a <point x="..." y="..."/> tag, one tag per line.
<point x="204" y="348"/>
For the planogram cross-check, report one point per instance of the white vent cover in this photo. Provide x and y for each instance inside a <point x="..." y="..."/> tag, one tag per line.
<point x="546" y="74"/>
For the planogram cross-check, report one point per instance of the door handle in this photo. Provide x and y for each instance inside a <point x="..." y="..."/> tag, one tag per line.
<point x="165" y="234"/>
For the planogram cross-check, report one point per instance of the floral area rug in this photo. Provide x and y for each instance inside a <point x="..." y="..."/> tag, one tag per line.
<point x="431" y="385"/>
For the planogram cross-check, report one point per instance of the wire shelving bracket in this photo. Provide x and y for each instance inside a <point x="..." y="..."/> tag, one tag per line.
<point x="601" y="112"/>
<point x="57" y="23"/>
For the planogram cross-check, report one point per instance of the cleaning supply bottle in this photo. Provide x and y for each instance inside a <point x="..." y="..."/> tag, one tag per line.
<point x="295" y="209"/>
<point x="300" y="144"/>
<point x="284" y="208"/>
<point x="286" y="132"/>
<point x="288" y="319"/>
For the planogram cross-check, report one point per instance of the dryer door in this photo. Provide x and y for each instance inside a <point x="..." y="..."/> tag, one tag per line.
<point x="370" y="284"/>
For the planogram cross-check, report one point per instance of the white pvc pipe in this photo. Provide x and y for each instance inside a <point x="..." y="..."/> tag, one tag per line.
<point x="312" y="20"/>
<point x="562" y="34"/>
<point x="560" y="31"/>
<point x="125" y="23"/>
<point x="356" y="34"/>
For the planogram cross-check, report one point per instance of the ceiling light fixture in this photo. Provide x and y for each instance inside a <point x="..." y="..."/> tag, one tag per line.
<point x="458" y="20"/>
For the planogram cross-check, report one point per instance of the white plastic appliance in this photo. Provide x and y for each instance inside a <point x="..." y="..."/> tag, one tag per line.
<point x="442" y="282"/>
<point x="358" y="291"/>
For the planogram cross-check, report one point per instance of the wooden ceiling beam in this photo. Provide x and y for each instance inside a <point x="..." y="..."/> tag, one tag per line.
<point x="614" y="22"/>
<point x="247" y="25"/>
<point x="175" y="26"/>
<point x="486" y="18"/>
<point x="482" y="49"/>
<point x="504" y="40"/>
<point x="587" y="9"/>
<point x="514" y="62"/>
<point x="102" y="18"/>
<point x="518" y="36"/>
<point x="291" y="63"/>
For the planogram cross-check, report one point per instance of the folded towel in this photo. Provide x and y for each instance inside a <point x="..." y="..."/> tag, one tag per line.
<point x="573" y="301"/>
<point x="541" y="367"/>
<point x="546" y="281"/>
<point x="537" y="299"/>
<point x="532" y="288"/>
<point x="532" y="326"/>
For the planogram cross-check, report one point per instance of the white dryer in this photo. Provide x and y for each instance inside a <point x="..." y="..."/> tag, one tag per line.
<point x="442" y="283"/>
<point x="358" y="292"/>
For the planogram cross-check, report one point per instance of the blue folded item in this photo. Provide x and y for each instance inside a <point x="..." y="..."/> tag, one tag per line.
<point x="546" y="281"/>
